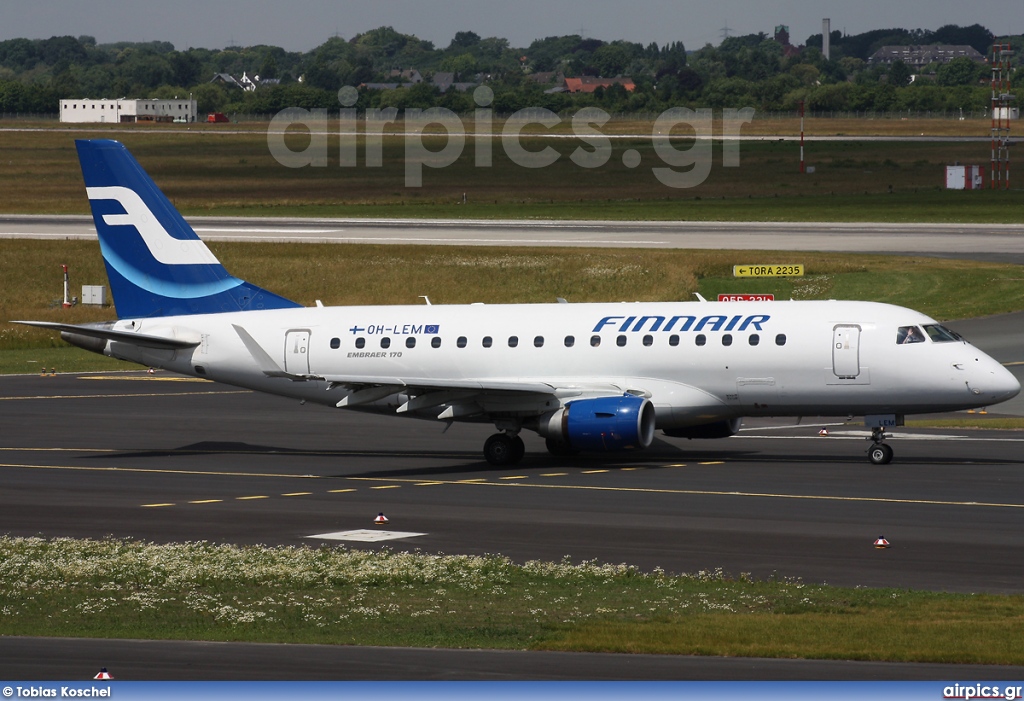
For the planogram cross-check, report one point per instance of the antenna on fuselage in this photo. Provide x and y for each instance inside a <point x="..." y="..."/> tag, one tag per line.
<point x="425" y="299"/>
<point x="699" y="298"/>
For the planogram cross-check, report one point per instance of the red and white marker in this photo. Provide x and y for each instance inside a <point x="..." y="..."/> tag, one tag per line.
<point x="103" y="675"/>
<point x="881" y="543"/>
<point x="823" y="432"/>
<point x="381" y="519"/>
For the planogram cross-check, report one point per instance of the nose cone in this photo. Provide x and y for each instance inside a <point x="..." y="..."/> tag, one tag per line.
<point x="1000" y="384"/>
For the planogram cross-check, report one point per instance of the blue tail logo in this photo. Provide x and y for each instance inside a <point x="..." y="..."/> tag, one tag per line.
<point x="156" y="264"/>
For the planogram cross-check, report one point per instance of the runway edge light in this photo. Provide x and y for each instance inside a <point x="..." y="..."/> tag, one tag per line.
<point x="823" y="432"/>
<point x="381" y="519"/>
<point x="881" y="543"/>
<point x="103" y="674"/>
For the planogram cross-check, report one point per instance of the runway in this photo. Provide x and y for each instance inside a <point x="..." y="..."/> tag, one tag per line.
<point x="162" y="459"/>
<point x="993" y="242"/>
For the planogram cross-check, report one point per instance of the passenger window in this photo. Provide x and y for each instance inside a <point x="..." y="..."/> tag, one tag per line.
<point x="487" y="341"/>
<point x="538" y="341"/>
<point x="648" y="340"/>
<point x="410" y="342"/>
<point x="336" y="343"/>
<point x="701" y="339"/>
<point x="461" y="343"/>
<point x="595" y="341"/>
<point x="360" y="342"/>
<point x="780" y="339"/>
<point x="673" y="340"/>
<point x="909" y="334"/>
<point x="727" y="339"/>
<point x="385" y="342"/>
<point x="620" y="341"/>
<point x="754" y="339"/>
<point x="513" y="341"/>
<point x="570" y="341"/>
<point x="435" y="342"/>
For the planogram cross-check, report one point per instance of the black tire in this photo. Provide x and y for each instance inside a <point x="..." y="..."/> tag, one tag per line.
<point x="880" y="454"/>
<point x="499" y="450"/>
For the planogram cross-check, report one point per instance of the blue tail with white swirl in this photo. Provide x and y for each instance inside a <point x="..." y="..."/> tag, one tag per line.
<point x="156" y="264"/>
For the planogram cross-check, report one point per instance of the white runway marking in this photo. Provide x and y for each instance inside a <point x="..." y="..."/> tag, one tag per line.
<point x="366" y="536"/>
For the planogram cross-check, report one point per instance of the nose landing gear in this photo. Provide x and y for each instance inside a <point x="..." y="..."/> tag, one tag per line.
<point x="880" y="453"/>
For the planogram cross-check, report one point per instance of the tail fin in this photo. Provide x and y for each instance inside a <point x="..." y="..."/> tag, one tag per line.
<point x="156" y="264"/>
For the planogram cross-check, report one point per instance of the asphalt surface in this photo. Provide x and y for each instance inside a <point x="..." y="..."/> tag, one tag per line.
<point x="993" y="242"/>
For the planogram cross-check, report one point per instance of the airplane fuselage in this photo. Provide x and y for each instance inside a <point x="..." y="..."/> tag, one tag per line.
<point x="696" y="361"/>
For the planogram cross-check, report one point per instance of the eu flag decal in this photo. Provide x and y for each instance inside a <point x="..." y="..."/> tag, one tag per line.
<point x="431" y="328"/>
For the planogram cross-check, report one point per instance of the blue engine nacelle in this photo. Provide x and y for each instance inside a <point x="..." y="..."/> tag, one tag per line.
<point x="603" y="424"/>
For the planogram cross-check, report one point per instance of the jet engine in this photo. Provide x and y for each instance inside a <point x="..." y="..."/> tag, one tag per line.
<point x="602" y="424"/>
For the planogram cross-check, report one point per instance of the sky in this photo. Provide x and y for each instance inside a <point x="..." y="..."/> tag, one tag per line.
<point x="300" y="25"/>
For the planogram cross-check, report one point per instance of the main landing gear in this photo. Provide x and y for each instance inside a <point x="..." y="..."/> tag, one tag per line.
<point x="503" y="449"/>
<point x="880" y="452"/>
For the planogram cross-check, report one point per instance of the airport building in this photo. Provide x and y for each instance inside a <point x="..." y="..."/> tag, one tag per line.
<point x="124" y="110"/>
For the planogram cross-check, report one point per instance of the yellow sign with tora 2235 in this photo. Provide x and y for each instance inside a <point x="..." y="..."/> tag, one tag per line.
<point x="768" y="270"/>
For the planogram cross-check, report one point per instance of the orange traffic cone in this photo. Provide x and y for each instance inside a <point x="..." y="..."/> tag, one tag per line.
<point x="381" y="519"/>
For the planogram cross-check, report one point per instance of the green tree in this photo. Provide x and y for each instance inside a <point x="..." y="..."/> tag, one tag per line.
<point x="959" y="71"/>
<point x="899" y="74"/>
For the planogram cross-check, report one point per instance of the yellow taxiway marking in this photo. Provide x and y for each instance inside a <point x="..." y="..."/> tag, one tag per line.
<point x="206" y="501"/>
<point x="143" y="378"/>
<point x="427" y="484"/>
<point x="677" y="465"/>
<point x="478" y="480"/>
<point x="250" y="498"/>
<point x="630" y="469"/>
<point x="554" y="474"/>
<point x="711" y="462"/>
<point x="151" y="506"/>
<point x="339" y="491"/>
<point x="592" y="472"/>
<point x="706" y="492"/>
<point x="387" y="486"/>
<point x="124" y="395"/>
<point x="297" y="494"/>
<point x="514" y="477"/>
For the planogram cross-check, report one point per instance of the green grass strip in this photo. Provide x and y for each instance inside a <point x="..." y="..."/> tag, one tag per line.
<point x="202" y="591"/>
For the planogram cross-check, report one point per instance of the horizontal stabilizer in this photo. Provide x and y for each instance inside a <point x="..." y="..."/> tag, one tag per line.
<point x="109" y="334"/>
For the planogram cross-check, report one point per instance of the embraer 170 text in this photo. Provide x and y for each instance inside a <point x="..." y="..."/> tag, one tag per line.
<point x="586" y="377"/>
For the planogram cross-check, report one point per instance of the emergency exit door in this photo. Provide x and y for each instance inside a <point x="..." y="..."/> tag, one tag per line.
<point x="296" y="352"/>
<point x="846" y="351"/>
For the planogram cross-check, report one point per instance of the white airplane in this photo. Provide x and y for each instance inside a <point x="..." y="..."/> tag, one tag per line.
<point x="586" y="377"/>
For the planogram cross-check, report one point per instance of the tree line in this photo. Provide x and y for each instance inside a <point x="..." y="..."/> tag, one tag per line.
<point x="753" y="70"/>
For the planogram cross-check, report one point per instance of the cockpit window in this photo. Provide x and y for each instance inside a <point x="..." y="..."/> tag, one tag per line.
<point x="909" y="334"/>
<point x="940" y="334"/>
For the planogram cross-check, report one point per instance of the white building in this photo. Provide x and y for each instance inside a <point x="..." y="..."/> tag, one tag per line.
<point x="124" y="110"/>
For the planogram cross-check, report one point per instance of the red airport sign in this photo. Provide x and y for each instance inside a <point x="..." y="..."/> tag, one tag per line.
<point x="746" y="298"/>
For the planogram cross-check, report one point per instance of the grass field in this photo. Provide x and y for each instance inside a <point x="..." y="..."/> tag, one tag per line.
<point x="202" y="591"/>
<point x="366" y="274"/>
<point x="209" y="172"/>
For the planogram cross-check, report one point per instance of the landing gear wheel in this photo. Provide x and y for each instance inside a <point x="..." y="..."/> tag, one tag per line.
<point x="502" y="449"/>
<point x="880" y="454"/>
